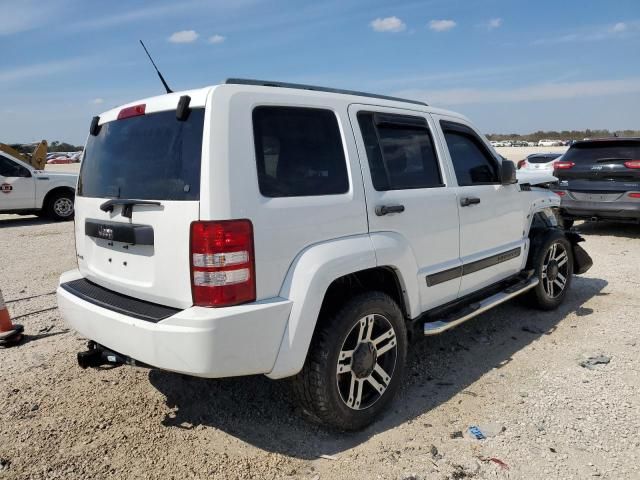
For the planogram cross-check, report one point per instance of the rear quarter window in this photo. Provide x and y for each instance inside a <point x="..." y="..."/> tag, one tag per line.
<point x="299" y="152"/>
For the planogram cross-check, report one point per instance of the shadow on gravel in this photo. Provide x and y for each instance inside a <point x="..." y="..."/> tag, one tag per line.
<point x="607" y="229"/>
<point x="23" y="221"/>
<point x="259" y="411"/>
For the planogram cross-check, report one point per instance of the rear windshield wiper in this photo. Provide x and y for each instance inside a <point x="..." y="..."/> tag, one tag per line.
<point x="127" y="205"/>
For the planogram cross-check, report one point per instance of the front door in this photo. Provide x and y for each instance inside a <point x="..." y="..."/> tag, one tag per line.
<point x="491" y="221"/>
<point x="409" y="199"/>
<point x="17" y="186"/>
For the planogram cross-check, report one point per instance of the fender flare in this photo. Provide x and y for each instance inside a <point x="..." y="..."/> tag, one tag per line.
<point x="582" y="261"/>
<point x="313" y="271"/>
<point x="306" y="283"/>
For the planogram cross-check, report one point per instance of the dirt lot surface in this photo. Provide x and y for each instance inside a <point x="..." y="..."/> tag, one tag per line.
<point x="513" y="372"/>
<point x="518" y="153"/>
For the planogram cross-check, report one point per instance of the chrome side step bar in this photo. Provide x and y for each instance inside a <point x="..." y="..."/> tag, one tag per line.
<point x="438" y="326"/>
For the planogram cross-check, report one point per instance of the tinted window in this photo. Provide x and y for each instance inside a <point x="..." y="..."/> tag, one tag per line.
<point x="9" y="168"/>
<point x="149" y="157"/>
<point x="400" y="152"/>
<point x="593" y="151"/>
<point x="473" y="164"/>
<point x="299" y="152"/>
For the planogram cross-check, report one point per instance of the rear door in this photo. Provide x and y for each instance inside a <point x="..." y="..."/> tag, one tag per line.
<point x="408" y="196"/>
<point x="141" y="249"/>
<point x="17" y="185"/>
<point x="600" y="170"/>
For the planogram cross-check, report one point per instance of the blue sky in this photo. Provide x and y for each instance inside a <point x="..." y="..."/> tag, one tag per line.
<point x="511" y="66"/>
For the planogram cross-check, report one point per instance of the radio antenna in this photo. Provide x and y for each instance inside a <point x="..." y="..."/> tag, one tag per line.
<point x="166" y="87"/>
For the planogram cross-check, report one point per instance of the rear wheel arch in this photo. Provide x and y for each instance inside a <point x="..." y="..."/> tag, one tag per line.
<point x="385" y="280"/>
<point x="381" y="279"/>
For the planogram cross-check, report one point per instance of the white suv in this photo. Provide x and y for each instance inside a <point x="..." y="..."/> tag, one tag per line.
<point x="294" y="231"/>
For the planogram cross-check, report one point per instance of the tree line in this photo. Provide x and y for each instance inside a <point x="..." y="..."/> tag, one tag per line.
<point x="563" y="135"/>
<point x="54" y="146"/>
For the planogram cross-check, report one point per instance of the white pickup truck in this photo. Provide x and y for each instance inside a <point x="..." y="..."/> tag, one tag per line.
<point x="26" y="191"/>
<point x="296" y="231"/>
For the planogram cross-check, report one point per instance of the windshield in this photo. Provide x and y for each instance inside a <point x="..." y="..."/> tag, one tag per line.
<point x="148" y="157"/>
<point x="590" y="152"/>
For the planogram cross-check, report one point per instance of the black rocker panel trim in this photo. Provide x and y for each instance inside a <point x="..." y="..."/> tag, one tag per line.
<point x="472" y="267"/>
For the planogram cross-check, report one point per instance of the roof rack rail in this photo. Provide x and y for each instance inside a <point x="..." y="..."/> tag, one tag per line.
<point x="266" y="83"/>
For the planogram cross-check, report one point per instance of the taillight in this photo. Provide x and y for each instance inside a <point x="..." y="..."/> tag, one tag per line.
<point x="634" y="195"/>
<point x="222" y="263"/>
<point x="632" y="164"/>
<point x="560" y="165"/>
<point x="133" y="111"/>
<point x="522" y="163"/>
<point x="560" y="193"/>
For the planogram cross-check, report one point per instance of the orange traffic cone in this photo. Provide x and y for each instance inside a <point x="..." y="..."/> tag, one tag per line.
<point x="10" y="334"/>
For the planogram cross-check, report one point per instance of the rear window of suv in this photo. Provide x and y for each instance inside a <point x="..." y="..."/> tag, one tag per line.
<point x="546" y="158"/>
<point x="148" y="157"/>
<point x="299" y="152"/>
<point x="591" y="152"/>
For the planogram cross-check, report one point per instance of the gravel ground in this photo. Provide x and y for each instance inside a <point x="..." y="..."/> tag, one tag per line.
<point x="518" y="153"/>
<point x="513" y="372"/>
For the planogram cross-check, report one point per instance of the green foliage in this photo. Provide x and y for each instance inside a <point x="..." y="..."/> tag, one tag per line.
<point x="563" y="135"/>
<point x="57" y="146"/>
<point x="54" y="146"/>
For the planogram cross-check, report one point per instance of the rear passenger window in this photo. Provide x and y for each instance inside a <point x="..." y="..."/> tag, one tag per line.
<point x="400" y="151"/>
<point x="299" y="152"/>
<point x="472" y="162"/>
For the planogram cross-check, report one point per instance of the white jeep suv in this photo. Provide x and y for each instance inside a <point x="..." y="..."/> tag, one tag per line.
<point x="294" y="231"/>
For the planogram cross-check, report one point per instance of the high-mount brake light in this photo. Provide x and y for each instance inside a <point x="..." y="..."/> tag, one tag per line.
<point x="222" y="263"/>
<point x="134" y="111"/>
<point x="561" y="165"/>
<point x="632" y="164"/>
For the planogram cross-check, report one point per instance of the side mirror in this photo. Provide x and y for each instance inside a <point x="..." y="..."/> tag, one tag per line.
<point x="508" y="173"/>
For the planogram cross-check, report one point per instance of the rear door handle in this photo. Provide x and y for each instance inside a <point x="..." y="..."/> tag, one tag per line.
<point x="385" y="209"/>
<point x="466" y="201"/>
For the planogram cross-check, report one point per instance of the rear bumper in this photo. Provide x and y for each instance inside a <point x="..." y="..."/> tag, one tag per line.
<point x="205" y="342"/>
<point x="613" y="210"/>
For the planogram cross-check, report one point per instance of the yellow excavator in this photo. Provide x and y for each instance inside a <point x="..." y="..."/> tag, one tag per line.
<point x="37" y="159"/>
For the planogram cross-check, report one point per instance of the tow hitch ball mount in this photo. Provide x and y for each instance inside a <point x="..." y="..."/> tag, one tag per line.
<point x="96" y="356"/>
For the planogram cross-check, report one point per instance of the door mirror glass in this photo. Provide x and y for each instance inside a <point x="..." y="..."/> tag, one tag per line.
<point x="508" y="173"/>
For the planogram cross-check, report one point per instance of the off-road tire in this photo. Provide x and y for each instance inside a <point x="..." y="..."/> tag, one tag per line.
<point x="57" y="206"/>
<point x="316" y="387"/>
<point x="538" y="297"/>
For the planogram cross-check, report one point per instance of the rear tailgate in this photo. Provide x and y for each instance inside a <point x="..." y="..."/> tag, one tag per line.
<point x="604" y="167"/>
<point x="135" y="248"/>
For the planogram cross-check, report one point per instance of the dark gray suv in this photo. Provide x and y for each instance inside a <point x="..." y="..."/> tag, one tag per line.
<point x="600" y="180"/>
